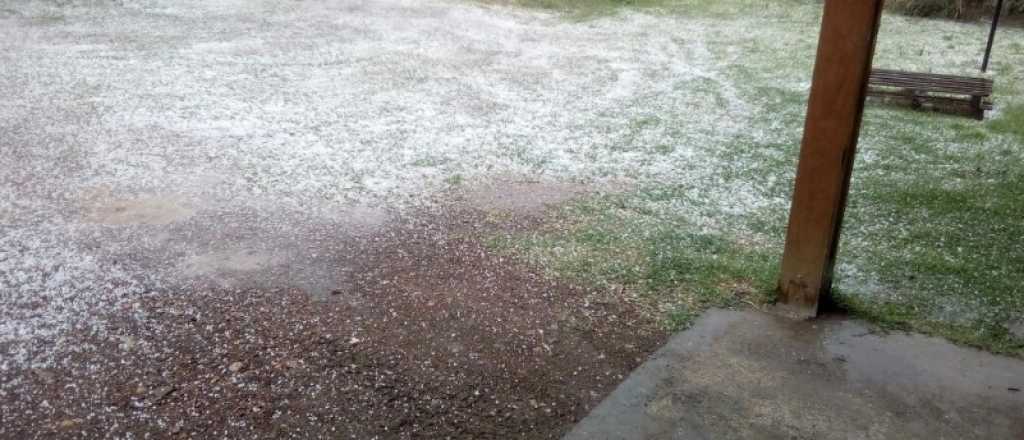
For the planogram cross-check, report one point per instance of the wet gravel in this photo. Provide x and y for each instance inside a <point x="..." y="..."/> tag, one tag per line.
<point x="437" y="336"/>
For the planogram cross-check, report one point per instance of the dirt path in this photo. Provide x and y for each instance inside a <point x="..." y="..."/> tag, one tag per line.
<point x="434" y="337"/>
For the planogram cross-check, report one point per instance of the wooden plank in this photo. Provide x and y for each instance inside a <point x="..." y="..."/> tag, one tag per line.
<point x="875" y="79"/>
<point x="930" y="76"/>
<point x="931" y="89"/>
<point x="881" y="71"/>
<point x="975" y="84"/>
<point x="838" y="89"/>
<point x="924" y="97"/>
<point x="935" y="88"/>
<point x="911" y="82"/>
<point x="960" y="106"/>
<point x="925" y="79"/>
<point x="883" y="93"/>
<point x="963" y="83"/>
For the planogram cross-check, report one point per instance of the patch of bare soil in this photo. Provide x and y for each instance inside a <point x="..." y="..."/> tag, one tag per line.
<point x="436" y="337"/>
<point x="519" y="196"/>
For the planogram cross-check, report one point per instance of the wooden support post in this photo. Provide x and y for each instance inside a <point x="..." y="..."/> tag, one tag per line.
<point x="845" y="49"/>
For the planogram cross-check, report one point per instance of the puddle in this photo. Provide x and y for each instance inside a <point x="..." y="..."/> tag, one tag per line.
<point x="241" y="260"/>
<point x="147" y="210"/>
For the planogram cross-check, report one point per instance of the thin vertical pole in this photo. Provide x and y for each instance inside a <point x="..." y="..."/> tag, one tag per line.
<point x="992" y="35"/>
<point x="838" y="88"/>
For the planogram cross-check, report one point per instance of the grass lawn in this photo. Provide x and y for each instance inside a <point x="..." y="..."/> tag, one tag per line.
<point x="931" y="240"/>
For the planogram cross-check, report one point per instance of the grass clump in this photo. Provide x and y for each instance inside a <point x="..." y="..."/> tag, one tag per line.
<point x="670" y="267"/>
<point x="454" y="180"/>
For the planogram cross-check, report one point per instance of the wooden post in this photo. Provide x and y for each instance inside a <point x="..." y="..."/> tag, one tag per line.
<point x="838" y="88"/>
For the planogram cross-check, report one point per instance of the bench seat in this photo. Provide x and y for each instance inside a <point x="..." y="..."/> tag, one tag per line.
<point x="961" y="94"/>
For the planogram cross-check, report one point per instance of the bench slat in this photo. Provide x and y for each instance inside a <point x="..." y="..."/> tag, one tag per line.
<point x="948" y="100"/>
<point x="970" y="81"/>
<point x="934" y="88"/>
<point x="931" y="86"/>
<point x="917" y="83"/>
<point x="937" y="76"/>
<point x="925" y="84"/>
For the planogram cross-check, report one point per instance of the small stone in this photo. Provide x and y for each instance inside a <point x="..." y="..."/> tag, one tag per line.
<point x="69" y="423"/>
<point x="43" y="375"/>
<point x="236" y="367"/>
<point x="162" y="392"/>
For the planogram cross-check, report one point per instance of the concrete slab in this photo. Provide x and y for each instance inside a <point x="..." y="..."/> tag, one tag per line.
<point x="752" y="375"/>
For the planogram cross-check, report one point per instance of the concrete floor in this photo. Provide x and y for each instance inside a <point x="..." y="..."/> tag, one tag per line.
<point x="752" y="375"/>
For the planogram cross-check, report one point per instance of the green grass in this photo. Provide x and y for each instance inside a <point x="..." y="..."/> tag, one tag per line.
<point x="1011" y="122"/>
<point x="934" y="220"/>
<point x="454" y="180"/>
<point x="934" y="227"/>
<point x="669" y="266"/>
<point x="931" y="240"/>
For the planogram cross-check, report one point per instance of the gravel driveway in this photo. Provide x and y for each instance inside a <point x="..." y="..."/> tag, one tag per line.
<point x="196" y="198"/>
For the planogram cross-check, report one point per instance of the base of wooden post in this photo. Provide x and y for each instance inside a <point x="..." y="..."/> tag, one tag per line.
<point x="795" y="309"/>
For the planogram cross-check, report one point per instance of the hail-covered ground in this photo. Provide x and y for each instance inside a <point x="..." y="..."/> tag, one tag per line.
<point x="158" y="146"/>
<point x="151" y="143"/>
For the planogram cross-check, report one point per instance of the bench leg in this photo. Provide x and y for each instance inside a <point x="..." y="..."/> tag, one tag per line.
<point x="976" y="109"/>
<point x="914" y="98"/>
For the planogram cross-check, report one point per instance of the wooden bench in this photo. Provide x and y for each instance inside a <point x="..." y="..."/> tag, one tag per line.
<point x="960" y="94"/>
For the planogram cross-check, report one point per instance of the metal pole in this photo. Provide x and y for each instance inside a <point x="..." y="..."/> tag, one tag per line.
<point x="992" y="35"/>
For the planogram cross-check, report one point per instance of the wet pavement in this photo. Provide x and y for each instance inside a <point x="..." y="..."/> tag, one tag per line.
<point x="750" y="375"/>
